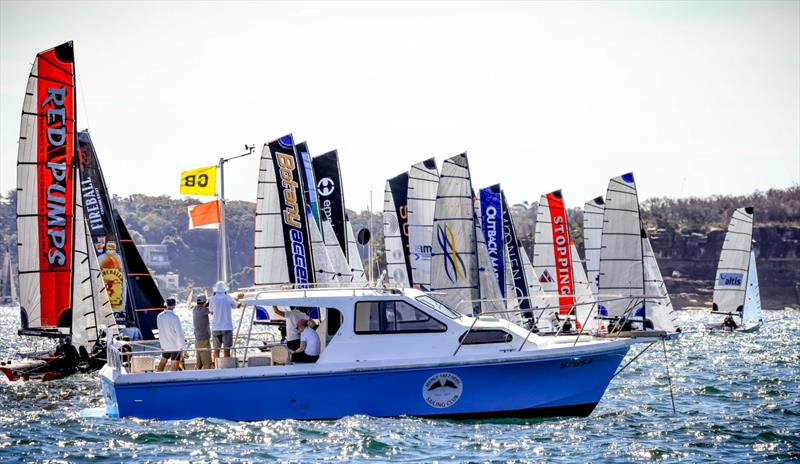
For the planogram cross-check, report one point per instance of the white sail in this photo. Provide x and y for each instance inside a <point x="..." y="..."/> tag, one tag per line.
<point x="270" y="267"/>
<point x="512" y="302"/>
<point x="335" y="253"/>
<point x="751" y="314"/>
<point x="325" y="274"/>
<point x="621" y="270"/>
<point x="91" y="309"/>
<point x="732" y="272"/>
<point x="423" y="182"/>
<point x="353" y="255"/>
<point x="592" y="236"/>
<point x="659" y="309"/>
<point x="585" y="307"/>
<point x="535" y="292"/>
<point x="393" y="243"/>
<point x="454" y="263"/>
<point x="491" y="298"/>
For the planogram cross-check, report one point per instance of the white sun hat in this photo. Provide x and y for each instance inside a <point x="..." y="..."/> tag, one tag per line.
<point x="220" y="287"/>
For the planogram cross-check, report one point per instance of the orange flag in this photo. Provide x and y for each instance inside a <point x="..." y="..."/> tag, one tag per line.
<point x="204" y="215"/>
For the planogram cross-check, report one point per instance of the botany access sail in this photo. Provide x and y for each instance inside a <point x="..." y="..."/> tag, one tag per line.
<point x="621" y="269"/>
<point x="735" y="264"/>
<point x="395" y="230"/>
<point x="282" y="241"/>
<point x="423" y="181"/>
<point x="552" y="257"/>
<point x="592" y="236"/>
<point x="454" y="262"/>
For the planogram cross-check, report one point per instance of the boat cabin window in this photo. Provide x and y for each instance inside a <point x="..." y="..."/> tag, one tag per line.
<point x="482" y="336"/>
<point x="435" y="305"/>
<point x="334" y="321"/>
<point x="380" y="317"/>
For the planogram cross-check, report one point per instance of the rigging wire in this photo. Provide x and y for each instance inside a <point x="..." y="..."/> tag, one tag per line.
<point x="669" y="377"/>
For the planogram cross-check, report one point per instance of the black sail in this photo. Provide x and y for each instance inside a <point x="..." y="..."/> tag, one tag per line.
<point x="330" y="194"/>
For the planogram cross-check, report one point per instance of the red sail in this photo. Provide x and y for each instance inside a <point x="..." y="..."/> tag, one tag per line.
<point x="561" y="251"/>
<point x="55" y="149"/>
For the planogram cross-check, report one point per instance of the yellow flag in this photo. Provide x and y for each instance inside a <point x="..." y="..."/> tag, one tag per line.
<point x="201" y="181"/>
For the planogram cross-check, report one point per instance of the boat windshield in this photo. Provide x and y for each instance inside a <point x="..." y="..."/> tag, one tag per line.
<point x="433" y="304"/>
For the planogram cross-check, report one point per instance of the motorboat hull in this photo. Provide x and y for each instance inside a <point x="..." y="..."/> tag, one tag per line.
<point x="535" y="387"/>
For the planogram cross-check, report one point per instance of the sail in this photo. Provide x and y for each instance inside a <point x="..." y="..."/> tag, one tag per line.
<point x="752" y="299"/>
<point x="731" y="281"/>
<point x="491" y="224"/>
<point x="592" y="235"/>
<point x="282" y="246"/>
<point x="454" y="263"/>
<point x="331" y="194"/>
<point x="144" y="297"/>
<point x="353" y="255"/>
<point x="395" y="230"/>
<point x="45" y="192"/>
<point x="325" y="273"/>
<point x="517" y="277"/>
<point x="552" y="258"/>
<point x="335" y="254"/>
<point x="7" y="290"/>
<point x="659" y="305"/>
<point x="621" y="270"/>
<point x="585" y="307"/>
<point x="92" y="313"/>
<point x="423" y="181"/>
<point x="490" y="288"/>
<point x="535" y="292"/>
<point x="309" y="184"/>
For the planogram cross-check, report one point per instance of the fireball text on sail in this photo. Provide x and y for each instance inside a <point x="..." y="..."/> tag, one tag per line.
<point x="57" y="163"/>
<point x="91" y="206"/>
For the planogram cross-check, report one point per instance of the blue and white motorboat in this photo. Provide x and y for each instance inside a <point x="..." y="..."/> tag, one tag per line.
<point x="386" y="352"/>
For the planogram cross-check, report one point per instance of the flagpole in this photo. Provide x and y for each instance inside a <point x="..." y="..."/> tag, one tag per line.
<point x="222" y="239"/>
<point x="222" y="245"/>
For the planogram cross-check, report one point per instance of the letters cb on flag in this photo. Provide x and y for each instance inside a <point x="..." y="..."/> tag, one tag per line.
<point x="204" y="215"/>
<point x="200" y="181"/>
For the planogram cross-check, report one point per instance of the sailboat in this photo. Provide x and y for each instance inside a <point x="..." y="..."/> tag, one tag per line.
<point x="423" y="182"/>
<point x="736" y="291"/>
<point x="395" y="230"/>
<point x="8" y="284"/>
<point x="592" y="235"/>
<point x="133" y="293"/>
<point x="629" y="280"/>
<point x="553" y="262"/>
<point x="62" y="292"/>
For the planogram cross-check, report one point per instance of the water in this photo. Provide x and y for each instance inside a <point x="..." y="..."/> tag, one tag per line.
<point x="737" y="397"/>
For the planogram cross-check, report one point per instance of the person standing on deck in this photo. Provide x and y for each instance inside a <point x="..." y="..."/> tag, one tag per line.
<point x="170" y="337"/>
<point x="221" y="306"/>
<point x="202" y="333"/>
<point x="292" y="332"/>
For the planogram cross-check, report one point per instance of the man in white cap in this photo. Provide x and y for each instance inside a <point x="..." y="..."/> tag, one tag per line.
<point x="221" y="307"/>
<point x="170" y="336"/>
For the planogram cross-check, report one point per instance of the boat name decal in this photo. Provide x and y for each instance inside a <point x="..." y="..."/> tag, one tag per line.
<point x="576" y="362"/>
<point x="442" y="390"/>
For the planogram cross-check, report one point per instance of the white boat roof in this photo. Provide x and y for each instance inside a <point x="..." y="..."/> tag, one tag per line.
<point x="327" y="295"/>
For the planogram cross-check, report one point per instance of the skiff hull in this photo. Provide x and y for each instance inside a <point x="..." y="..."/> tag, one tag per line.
<point x="535" y="387"/>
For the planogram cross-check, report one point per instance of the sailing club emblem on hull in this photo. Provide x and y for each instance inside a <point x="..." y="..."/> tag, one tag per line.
<point x="442" y="390"/>
<point x="453" y="264"/>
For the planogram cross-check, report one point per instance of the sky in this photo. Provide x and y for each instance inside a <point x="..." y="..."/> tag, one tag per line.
<point x="695" y="98"/>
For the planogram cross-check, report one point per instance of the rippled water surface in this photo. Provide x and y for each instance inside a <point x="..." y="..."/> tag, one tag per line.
<point x="737" y="398"/>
